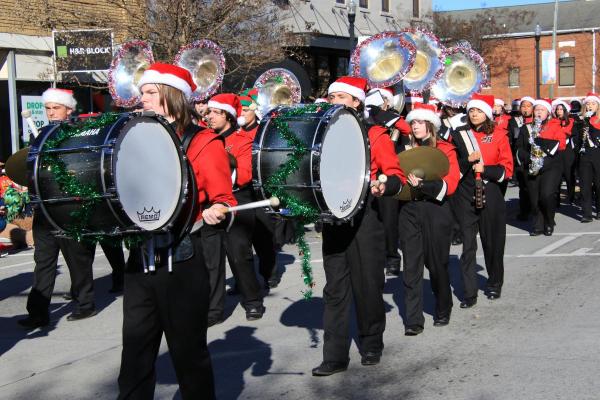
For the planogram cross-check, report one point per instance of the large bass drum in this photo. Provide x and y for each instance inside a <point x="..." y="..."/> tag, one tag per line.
<point x="334" y="175"/>
<point x="137" y="166"/>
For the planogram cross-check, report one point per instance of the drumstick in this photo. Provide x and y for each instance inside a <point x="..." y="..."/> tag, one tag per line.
<point x="27" y="115"/>
<point x="272" y="202"/>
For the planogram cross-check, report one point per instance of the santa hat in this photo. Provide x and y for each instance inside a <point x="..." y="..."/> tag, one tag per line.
<point x="352" y="85"/>
<point x="591" y="97"/>
<point x="60" y="96"/>
<point x="557" y="102"/>
<point x="499" y="102"/>
<point x="170" y="75"/>
<point x="230" y="103"/>
<point x="321" y="100"/>
<point x="484" y="102"/>
<point x="546" y="103"/>
<point x="387" y="93"/>
<point x="527" y="98"/>
<point x="424" y="112"/>
<point x="248" y="98"/>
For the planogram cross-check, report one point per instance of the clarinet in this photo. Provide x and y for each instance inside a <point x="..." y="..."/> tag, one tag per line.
<point x="585" y="135"/>
<point x="536" y="154"/>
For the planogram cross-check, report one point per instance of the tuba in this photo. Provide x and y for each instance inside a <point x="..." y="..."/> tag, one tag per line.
<point x="126" y="69"/>
<point x="464" y="74"/>
<point x="429" y="60"/>
<point x="277" y="86"/>
<point x="383" y="59"/>
<point x="206" y="62"/>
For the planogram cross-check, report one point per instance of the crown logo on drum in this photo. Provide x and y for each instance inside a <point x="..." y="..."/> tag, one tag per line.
<point x="148" y="215"/>
<point x="346" y="204"/>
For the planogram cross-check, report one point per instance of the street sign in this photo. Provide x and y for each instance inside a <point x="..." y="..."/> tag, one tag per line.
<point x="83" y="50"/>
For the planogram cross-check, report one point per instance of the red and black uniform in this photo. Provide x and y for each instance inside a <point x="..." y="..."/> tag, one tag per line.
<point x="425" y="235"/>
<point x="354" y="259"/>
<point x="176" y="303"/>
<point x="515" y="124"/>
<point x="568" y="159"/>
<point x="543" y="187"/>
<point x="490" y="221"/>
<point x="501" y="122"/>
<point x="589" y="168"/>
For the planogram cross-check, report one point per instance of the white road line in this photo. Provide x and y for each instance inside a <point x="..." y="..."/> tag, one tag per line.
<point x="98" y="254"/>
<point x="581" y="251"/>
<point x="555" y="245"/>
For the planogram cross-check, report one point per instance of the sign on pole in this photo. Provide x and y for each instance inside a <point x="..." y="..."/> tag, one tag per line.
<point x="34" y="104"/>
<point x="548" y="67"/>
<point x="83" y="50"/>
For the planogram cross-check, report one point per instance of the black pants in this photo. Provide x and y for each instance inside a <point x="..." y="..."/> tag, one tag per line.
<point x="263" y="240"/>
<point x="390" y="210"/>
<point x="543" y="190"/>
<point x="589" y="175"/>
<point x="116" y="259"/>
<point x="213" y="249"/>
<point x="79" y="258"/>
<point x="490" y="222"/>
<point x="524" y="200"/>
<point x="175" y="304"/>
<point x="568" y="171"/>
<point x="426" y="231"/>
<point x="354" y="259"/>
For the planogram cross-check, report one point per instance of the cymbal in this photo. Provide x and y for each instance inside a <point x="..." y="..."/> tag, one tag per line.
<point x="425" y="162"/>
<point x="16" y="167"/>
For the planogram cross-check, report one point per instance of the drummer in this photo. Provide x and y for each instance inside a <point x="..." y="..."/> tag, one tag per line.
<point x="354" y="252"/>
<point x="176" y="303"/>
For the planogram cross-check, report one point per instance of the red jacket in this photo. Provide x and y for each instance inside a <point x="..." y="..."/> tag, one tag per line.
<point x="453" y="176"/>
<point x="495" y="151"/>
<point x="554" y="130"/>
<point x="210" y="163"/>
<point x="501" y="122"/>
<point x="239" y="145"/>
<point x="402" y="126"/>
<point x="383" y="155"/>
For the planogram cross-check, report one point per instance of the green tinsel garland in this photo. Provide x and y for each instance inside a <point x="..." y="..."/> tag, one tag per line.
<point x="303" y="211"/>
<point x="15" y="202"/>
<point x="68" y="183"/>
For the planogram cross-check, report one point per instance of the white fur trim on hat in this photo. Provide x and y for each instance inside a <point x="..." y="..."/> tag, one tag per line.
<point x="527" y="98"/>
<point x="413" y="99"/>
<point x="346" y="88"/>
<point x="499" y="102"/>
<point x="482" y="105"/>
<point x="544" y="103"/>
<point x="591" y="98"/>
<point x="559" y="101"/>
<point x="222" y="106"/>
<point x="59" y="96"/>
<point x="152" y="76"/>
<point x="384" y="93"/>
<point x="424" y="115"/>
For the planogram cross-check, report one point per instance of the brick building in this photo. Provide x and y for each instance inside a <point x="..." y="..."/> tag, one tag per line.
<point x="512" y="70"/>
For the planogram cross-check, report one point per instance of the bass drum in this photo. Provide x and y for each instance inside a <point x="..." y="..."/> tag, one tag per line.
<point x="137" y="166"/>
<point x="334" y="175"/>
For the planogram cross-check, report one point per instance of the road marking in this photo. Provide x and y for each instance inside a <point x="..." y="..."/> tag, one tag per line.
<point x="555" y="245"/>
<point x="581" y="251"/>
<point x="99" y="253"/>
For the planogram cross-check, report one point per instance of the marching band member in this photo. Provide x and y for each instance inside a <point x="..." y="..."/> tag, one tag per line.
<point x="589" y="161"/>
<point x="426" y="226"/>
<point x="223" y="112"/>
<point x="354" y="252"/>
<point x="538" y="151"/>
<point x="501" y="118"/>
<point x="484" y="156"/>
<point x="176" y="303"/>
<point x="560" y="111"/>
<point x="523" y="118"/>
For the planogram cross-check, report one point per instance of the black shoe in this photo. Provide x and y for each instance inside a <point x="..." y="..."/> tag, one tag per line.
<point x="67" y="296"/>
<point x="548" y="230"/>
<point x="413" y="330"/>
<point x="493" y="294"/>
<point x="392" y="271"/>
<point x="329" y="368"/>
<point x="468" y="303"/>
<point x="77" y="315"/>
<point x="585" y="220"/>
<point x="370" y="358"/>
<point x="457" y="240"/>
<point x="116" y="288"/>
<point x="33" y="322"/>
<point x="254" y="313"/>
<point x="443" y="321"/>
<point x="536" y="232"/>
<point x="273" y="283"/>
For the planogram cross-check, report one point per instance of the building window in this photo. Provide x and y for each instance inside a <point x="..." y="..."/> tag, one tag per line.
<point x="566" y="71"/>
<point x="363" y="3"/>
<point x="416" y="11"/>
<point x="385" y="5"/>
<point x="513" y="77"/>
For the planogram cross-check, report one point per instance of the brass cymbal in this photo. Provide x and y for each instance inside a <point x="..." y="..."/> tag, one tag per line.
<point x="16" y="167"/>
<point x="425" y="162"/>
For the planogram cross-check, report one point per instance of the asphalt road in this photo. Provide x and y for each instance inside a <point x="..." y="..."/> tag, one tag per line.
<point x="539" y="341"/>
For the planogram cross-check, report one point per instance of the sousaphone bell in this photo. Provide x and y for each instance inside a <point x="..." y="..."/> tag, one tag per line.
<point x="429" y="60"/>
<point x="428" y="163"/>
<point x="277" y="86"/>
<point x="126" y="69"/>
<point x="206" y="62"/>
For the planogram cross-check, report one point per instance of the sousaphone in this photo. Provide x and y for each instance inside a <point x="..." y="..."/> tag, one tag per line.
<point x="465" y="74"/>
<point x="277" y="86"/>
<point x="429" y="60"/>
<point x="428" y="163"/>
<point x="206" y="62"/>
<point x="383" y="59"/>
<point x="126" y="69"/>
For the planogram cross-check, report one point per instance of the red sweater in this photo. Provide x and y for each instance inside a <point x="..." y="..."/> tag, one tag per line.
<point x="495" y="150"/>
<point x="210" y="163"/>
<point x="383" y="155"/>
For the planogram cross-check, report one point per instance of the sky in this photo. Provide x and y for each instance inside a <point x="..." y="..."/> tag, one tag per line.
<point x="447" y="5"/>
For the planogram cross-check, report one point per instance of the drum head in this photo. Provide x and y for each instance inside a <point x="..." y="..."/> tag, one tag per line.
<point x="343" y="164"/>
<point x="148" y="173"/>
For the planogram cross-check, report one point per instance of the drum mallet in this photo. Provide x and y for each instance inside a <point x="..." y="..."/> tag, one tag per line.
<point x="272" y="202"/>
<point x="27" y="115"/>
<point x="380" y="179"/>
